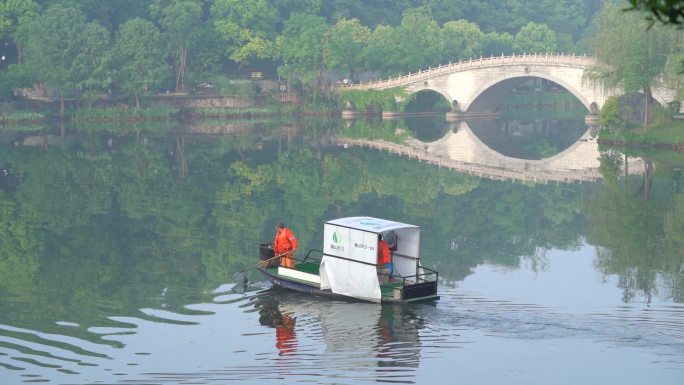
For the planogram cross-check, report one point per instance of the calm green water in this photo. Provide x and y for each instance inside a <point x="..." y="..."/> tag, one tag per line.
<point x="118" y="246"/>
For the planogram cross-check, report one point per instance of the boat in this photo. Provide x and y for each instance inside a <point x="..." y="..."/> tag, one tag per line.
<point x="347" y="267"/>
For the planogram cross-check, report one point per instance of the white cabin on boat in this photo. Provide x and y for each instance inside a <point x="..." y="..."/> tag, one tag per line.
<point x="350" y="253"/>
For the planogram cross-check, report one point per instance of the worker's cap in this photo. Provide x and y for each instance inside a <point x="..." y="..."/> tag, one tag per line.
<point x="280" y="224"/>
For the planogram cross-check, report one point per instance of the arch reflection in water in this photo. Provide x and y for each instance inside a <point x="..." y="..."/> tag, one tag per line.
<point x="360" y="338"/>
<point x="463" y="151"/>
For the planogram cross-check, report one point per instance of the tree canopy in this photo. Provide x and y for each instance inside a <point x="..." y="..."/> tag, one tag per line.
<point x="202" y="40"/>
<point x="65" y="51"/>
<point x="140" y="58"/>
<point x="632" y="55"/>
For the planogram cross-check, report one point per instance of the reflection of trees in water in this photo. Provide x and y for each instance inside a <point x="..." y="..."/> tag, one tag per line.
<point x="638" y="224"/>
<point x="127" y="215"/>
<point x="120" y="224"/>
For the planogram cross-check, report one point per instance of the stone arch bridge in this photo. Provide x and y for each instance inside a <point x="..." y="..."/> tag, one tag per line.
<point x="463" y="82"/>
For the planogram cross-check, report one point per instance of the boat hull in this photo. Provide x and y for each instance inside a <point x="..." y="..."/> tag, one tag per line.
<point x="420" y="292"/>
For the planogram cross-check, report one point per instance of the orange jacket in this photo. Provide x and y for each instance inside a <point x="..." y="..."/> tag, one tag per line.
<point x="284" y="241"/>
<point x="383" y="253"/>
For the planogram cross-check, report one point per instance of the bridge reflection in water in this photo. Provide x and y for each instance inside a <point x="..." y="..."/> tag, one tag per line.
<point x="461" y="150"/>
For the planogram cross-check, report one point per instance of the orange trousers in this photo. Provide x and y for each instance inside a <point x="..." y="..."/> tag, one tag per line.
<point x="287" y="260"/>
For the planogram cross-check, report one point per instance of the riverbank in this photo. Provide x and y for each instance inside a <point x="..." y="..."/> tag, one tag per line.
<point x="31" y="112"/>
<point x="668" y="136"/>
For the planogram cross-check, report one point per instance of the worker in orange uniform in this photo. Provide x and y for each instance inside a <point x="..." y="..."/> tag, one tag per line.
<point x="285" y="245"/>
<point x="384" y="260"/>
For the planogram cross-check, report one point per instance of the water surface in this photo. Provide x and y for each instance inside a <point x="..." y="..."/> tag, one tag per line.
<point x="119" y="247"/>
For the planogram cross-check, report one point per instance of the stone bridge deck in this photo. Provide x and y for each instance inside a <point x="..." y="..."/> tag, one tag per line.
<point x="574" y="61"/>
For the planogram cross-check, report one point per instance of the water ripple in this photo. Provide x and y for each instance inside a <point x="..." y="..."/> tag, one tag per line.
<point x="273" y="337"/>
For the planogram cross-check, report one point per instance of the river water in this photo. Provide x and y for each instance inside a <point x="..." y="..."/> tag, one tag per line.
<point x="119" y="246"/>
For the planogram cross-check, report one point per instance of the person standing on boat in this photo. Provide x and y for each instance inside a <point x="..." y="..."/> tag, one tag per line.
<point x="384" y="260"/>
<point x="285" y="245"/>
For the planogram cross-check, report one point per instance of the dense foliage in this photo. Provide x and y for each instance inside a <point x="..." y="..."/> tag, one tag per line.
<point x="79" y="48"/>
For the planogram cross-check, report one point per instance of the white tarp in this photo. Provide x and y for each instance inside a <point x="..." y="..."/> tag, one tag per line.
<point x="351" y="279"/>
<point x="353" y="273"/>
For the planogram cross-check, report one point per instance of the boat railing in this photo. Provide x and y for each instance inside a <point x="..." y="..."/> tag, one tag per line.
<point x="428" y="275"/>
<point x="312" y="259"/>
<point x="422" y="285"/>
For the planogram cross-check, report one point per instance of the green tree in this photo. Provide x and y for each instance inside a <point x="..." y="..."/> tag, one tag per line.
<point x="634" y="56"/>
<point x="664" y="11"/>
<point x="419" y="39"/>
<point x="460" y="40"/>
<point x="180" y="21"/>
<point x="287" y="8"/>
<point x="535" y="38"/>
<point x="674" y="73"/>
<point x="495" y="44"/>
<point x="381" y="52"/>
<point x="567" y="17"/>
<point x="93" y="62"/>
<point x="65" y="51"/>
<point x="345" y="44"/>
<point x="611" y="114"/>
<point x="14" y="13"/>
<point x="110" y="14"/>
<point x="206" y="56"/>
<point x="369" y="13"/>
<point x="249" y="28"/>
<point x="139" y="58"/>
<point x="301" y="47"/>
<point x="564" y="17"/>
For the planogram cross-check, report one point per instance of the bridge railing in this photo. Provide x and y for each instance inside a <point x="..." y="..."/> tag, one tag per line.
<point x="483" y="62"/>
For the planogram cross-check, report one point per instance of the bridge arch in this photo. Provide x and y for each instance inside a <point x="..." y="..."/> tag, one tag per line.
<point x="492" y="82"/>
<point x="426" y="86"/>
